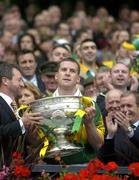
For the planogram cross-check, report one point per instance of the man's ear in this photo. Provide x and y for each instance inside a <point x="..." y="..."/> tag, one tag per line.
<point x="56" y="76"/>
<point x="78" y="80"/>
<point x="5" y="81"/>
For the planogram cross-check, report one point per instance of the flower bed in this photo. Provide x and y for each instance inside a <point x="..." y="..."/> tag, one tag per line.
<point x="95" y="170"/>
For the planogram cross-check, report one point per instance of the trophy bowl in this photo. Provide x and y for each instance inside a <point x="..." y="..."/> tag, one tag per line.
<point x="59" y="114"/>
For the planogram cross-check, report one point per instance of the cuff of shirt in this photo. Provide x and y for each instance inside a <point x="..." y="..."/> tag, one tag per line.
<point x="131" y="134"/>
<point x="109" y="136"/>
<point x="22" y="126"/>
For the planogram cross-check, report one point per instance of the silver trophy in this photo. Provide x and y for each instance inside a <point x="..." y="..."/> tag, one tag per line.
<point x="59" y="114"/>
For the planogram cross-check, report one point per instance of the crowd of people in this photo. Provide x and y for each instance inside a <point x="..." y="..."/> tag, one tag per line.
<point x="95" y="56"/>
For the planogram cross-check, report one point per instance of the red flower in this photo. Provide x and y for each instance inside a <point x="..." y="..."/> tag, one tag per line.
<point x="111" y="166"/>
<point x="21" y="171"/>
<point x="18" y="170"/>
<point x="104" y="177"/>
<point x="100" y="177"/>
<point x="70" y="176"/>
<point x="84" y="173"/>
<point x="25" y="172"/>
<point x="98" y="163"/>
<point x="92" y="168"/>
<point x="16" y="155"/>
<point x="95" y="165"/>
<point x="134" y="168"/>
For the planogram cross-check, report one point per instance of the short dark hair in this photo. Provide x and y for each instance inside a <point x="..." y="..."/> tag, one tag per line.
<point x="87" y="40"/>
<point x="49" y="68"/>
<point x="135" y="94"/>
<point x="23" y="52"/>
<point x="70" y="60"/>
<point x="80" y="32"/>
<point x="88" y="81"/>
<point x="6" y="70"/>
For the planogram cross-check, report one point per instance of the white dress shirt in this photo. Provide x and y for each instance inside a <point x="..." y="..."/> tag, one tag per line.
<point x="77" y="93"/>
<point x="33" y="80"/>
<point x="131" y="134"/>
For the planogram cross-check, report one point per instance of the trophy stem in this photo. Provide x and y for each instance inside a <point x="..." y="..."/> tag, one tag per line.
<point x="60" y="134"/>
<point x="62" y="146"/>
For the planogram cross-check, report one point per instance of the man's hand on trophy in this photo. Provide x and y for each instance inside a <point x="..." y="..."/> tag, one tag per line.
<point x="90" y="114"/>
<point x="32" y="118"/>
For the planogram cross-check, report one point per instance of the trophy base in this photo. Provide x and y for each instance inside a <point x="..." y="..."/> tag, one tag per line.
<point x="63" y="151"/>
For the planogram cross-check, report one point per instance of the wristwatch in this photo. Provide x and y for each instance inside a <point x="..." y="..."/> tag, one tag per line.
<point x="130" y="132"/>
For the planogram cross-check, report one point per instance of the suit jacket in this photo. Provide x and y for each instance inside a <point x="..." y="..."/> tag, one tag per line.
<point x="101" y="103"/>
<point x="41" y="85"/>
<point x="9" y="128"/>
<point x="121" y="149"/>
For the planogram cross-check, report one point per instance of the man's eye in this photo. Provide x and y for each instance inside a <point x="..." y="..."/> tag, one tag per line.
<point x="64" y="55"/>
<point x="64" y="69"/>
<point x="24" y="62"/>
<point x="72" y="70"/>
<point x="57" y="54"/>
<point x="85" y="48"/>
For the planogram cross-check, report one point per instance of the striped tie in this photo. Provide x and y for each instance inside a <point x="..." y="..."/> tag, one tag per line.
<point x="14" y="107"/>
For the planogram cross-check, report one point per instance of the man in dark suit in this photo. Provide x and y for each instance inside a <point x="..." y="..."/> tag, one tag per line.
<point x="122" y="141"/>
<point x="11" y="128"/>
<point x="28" y="64"/>
<point x="103" y="84"/>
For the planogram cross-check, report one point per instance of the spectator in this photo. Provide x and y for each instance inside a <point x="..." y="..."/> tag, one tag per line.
<point x="27" y="42"/>
<point x="59" y="53"/>
<point x="90" y="88"/>
<point x="121" y="79"/>
<point x="48" y="71"/>
<point x="103" y="84"/>
<point x="28" y="64"/>
<point x="10" y="56"/>
<point x="88" y="58"/>
<point x="122" y="142"/>
<point x="29" y="93"/>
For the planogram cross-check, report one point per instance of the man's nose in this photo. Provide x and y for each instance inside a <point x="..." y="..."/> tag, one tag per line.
<point x="125" y="109"/>
<point x="68" y="71"/>
<point x="28" y="64"/>
<point x="61" y="56"/>
<point x="115" y="104"/>
<point x="89" y="49"/>
<point x="120" y="72"/>
<point x="21" y="83"/>
<point x="22" y="100"/>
